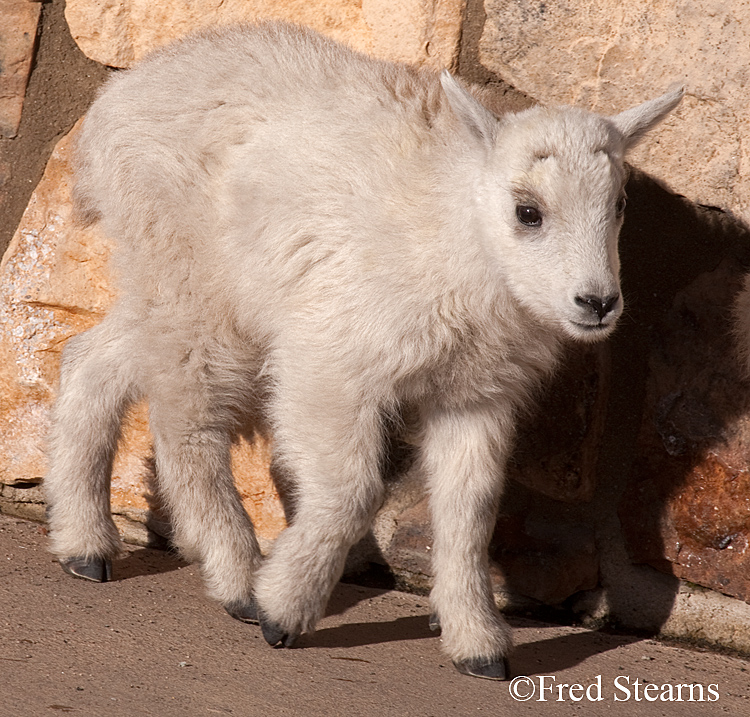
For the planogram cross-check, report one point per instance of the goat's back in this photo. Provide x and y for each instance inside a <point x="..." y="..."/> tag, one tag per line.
<point x="160" y="143"/>
<point x="322" y="198"/>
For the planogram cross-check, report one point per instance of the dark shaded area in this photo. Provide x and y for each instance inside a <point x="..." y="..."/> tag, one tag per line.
<point x="670" y="395"/>
<point x="686" y="510"/>
<point x="146" y="561"/>
<point x="669" y="247"/>
<point x="413" y="627"/>
<point x="553" y="655"/>
<point x="62" y="85"/>
<point x="569" y="418"/>
<point x="500" y="96"/>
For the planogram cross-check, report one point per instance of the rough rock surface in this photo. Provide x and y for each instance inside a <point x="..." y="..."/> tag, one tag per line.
<point x="17" y="40"/>
<point x="608" y="56"/>
<point x="687" y="509"/>
<point x="558" y="441"/>
<point x="545" y="560"/>
<point x="119" y="33"/>
<point x="54" y="283"/>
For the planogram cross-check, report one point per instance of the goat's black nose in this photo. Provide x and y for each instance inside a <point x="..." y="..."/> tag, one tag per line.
<point x="600" y="306"/>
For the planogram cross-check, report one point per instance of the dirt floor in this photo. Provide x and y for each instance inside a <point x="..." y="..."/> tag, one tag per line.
<point x="151" y="643"/>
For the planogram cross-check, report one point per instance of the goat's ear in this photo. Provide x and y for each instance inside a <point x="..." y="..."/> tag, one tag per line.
<point x="475" y="116"/>
<point x="635" y="122"/>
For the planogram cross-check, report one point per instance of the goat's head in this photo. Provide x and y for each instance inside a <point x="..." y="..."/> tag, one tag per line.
<point x="550" y="198"/>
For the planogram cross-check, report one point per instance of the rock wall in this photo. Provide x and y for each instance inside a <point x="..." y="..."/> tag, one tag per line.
<point x="608" y="57"/>
<point x="20" y="19"/>
<point x="631" y="477"/>
<point x="119" y="33"/>
<point x="55" y="283"/>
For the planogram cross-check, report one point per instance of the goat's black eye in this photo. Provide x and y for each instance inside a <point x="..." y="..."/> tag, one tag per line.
<point x="620" y="208"/>
<point x="529" y="216"/>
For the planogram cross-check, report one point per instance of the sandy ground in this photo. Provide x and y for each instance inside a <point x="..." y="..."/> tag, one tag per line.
<point x="151" y="643"/>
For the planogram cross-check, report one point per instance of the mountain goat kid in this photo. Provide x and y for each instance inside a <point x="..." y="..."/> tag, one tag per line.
<point x="320" y="238"/>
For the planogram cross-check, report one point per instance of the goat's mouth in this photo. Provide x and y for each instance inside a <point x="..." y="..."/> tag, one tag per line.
<point x="593" y="327"/>
<point x="590" y="332"/>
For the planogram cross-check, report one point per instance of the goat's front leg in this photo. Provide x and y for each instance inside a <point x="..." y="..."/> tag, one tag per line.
<point x="331" y="443"/>
<point x="462" y="454"/>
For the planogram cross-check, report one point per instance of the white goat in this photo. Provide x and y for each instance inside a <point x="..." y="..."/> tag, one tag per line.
<point x="328" y="238"/>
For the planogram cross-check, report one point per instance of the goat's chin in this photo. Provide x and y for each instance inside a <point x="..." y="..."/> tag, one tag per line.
<point x="589" y="333"/>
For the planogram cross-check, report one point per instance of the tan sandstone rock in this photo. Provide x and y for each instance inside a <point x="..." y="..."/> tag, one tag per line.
<point x="19" y="21"/>
<point x="54" y="283"/>
<point x="118" y="33"/>
<point x="608" y="56"/>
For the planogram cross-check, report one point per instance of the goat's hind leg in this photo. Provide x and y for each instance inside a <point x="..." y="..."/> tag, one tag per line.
<point x="192" y="440"/>
<point x="96" y="387"/>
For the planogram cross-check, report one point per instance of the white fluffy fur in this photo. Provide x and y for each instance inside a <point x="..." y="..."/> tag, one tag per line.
<point x="328" y="238"/>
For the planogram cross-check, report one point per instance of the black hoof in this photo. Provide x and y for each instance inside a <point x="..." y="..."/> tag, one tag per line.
<point x="246" y="611"/>
<point x="486" y="669"/>
<point x="434" y="622"/>
<point x="98" y="570"/>
<point x="274" y="635"/>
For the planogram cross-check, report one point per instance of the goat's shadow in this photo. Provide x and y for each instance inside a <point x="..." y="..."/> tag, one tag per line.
<point x="146" y="561"/>
<point x="561" y="652"/>
<point x="543" y="656"/>
<point x="546" y="656"/>
<point x="358" y="634"/>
